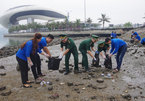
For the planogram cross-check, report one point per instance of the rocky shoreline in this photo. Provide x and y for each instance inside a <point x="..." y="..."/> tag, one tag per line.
<point x="11" y="50"/>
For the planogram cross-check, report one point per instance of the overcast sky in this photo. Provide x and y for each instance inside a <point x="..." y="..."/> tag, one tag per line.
<point x="120" y="11"/>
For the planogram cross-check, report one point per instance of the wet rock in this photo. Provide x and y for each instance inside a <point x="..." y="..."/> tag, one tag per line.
<point x="70" y="84"/>
<point x="57" y="80"/>
<point x="140" y="92"/>
<point x="103" y="86"/>
<point x="50" y="88"/>
<point x="67" y="95"/>
<point x="6" y="93"/>
<point x="2" y="88"/>
<point x="100" y="80"/>
<point x="126" y="96"/>
<point x="94" y="87"/>
<point x="50" y="83"/>
<point x="112" y="98"/>
<point x="90" y="85"/>
<point x="61" y="71"/>
<point x="2" y="67"/>
<point x="94" y="97"/>
<point x="2" y="74"/>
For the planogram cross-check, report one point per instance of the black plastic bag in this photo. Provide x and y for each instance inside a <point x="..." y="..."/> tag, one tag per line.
<point x="95" y="63"/>
<point x="53" y="63"/>
<point x="108" y="62"/>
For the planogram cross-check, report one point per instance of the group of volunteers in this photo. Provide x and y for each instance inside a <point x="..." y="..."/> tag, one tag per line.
<point x="136" y="39"/>
<point x="27" y="55"/>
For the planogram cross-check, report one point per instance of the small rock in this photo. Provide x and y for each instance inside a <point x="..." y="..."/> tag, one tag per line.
<point x="100" y="80"/>
<point x="2" y="88"/>
<point x="67" y="95"/>
<point x="90" y="85"/>
<point x="50" y="88"/>
<point x="6" y="93"/>
<point x="2" y="67"/>
<point x="57" y="80"/>
<point x="61" y="71"/>
<point x="103" y="86"/>
<point x="94" y="97"/>
<point x="126" y="96"/>
<point x="2" y="74"/>
<point x="70" y="84"/>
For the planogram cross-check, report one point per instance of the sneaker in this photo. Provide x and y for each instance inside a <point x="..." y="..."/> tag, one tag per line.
<point x="66" y="73"/>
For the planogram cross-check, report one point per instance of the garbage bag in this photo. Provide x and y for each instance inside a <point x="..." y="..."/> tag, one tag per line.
<point x="108" y="62"/>
<point x="95" y="63"/>
<point x="53" y="63"/>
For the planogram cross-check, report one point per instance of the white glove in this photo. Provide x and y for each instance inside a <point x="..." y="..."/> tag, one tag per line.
<point x="60" y="55"/>
<point x="30" y="64"/>
<point x="94" y="58"/>
<point x="47" y="55"/>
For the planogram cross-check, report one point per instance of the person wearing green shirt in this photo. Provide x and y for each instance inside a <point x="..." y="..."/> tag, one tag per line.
<point x="70" y="47"/>
<point x="84" y="48"/>
<point x="102" y="46"/>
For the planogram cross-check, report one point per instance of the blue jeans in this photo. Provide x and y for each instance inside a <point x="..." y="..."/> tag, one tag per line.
<point x="120" y="55"/>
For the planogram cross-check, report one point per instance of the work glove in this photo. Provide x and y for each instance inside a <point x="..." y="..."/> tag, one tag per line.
<point x="46" y="55"/>
<point x="104" y="57"/>
<point x="30" y="64"/>
<point x="94" y="58"/>
<point x="60" y="55"/>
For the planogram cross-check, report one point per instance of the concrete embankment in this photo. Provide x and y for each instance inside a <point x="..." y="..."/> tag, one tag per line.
<point x="70" y="33"/>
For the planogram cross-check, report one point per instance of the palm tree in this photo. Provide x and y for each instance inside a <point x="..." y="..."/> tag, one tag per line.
<point x="89" y="21"/>
<point x="103" y="19"/>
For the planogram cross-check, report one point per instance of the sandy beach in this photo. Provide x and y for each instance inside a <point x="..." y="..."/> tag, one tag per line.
<point x="128" y="84"/>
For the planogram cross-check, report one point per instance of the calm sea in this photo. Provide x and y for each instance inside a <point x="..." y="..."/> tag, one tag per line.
<point x="10" y="41"/>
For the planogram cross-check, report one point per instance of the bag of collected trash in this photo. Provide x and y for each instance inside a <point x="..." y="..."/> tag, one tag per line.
<point x="131" y="41"/>
<point x="53" y="63"/>
<point x="96" y="62"/>
<point x="108" y="62"/>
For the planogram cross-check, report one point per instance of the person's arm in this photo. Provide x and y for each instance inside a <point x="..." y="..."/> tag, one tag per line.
<point x="93" y="49"/>
<point x="66" y="51"/>
<point x="45" y="49"/>
<point x="101" y="53"/>
<point x="90" y="53"/>
<point x="29" y="61"/>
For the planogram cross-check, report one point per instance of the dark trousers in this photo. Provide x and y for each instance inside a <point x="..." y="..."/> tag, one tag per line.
<point x="23" y="70"/>
<point x="84" y="59"/>
<point x="120" y="55"/>
<point x="67" y="57"/>
<point x="36" y="68"/>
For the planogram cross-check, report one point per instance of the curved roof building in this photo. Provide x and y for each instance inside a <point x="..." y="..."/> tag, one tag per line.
<point x="13" y="15"/>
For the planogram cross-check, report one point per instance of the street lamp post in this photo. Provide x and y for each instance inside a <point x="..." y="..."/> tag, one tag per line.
<point x="85" y="12"/>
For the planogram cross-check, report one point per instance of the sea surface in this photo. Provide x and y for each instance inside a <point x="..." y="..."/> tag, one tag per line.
<point x="10" y="41"/>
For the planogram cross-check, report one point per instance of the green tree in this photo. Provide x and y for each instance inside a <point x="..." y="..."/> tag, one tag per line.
<point x="128" y="25"/>
<point x="103" y="19"/>
<point x="89" y="21"/>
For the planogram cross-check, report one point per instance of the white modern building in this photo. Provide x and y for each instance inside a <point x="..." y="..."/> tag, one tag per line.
<point x="28" y="12"/>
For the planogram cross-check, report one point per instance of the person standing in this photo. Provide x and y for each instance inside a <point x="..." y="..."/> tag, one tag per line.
<point x="117" y="46"/>
<point x="113" y="35"/>
<point x="36" y="58"/>
<point x="84" y="48"/>
<point x="23" y="57"/>
<point x="70" y="47"/>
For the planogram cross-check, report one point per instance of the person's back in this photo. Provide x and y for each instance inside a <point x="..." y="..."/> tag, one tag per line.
<point x="22" y="53"/>
<point x="84" y="44"/>
<point x="143" y="41"/>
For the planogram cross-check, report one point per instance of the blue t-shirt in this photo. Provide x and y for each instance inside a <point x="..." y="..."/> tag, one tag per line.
<point x="138" y="37"/>
<point x="42" y="44"/>
<point x="143" y="41"/>
<point x="113" y="35"/>
<point x="135" y="33"/>
<point x="116" y="44"/>
<point x="26" y="51"/>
